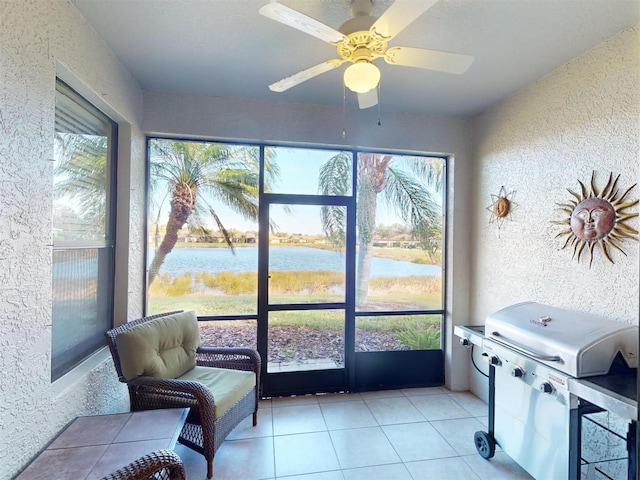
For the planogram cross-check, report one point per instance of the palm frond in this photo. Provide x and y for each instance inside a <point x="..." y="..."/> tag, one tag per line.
<point x="335" y="179"/>
<point x="271" y="169"/>
<point x="333" y="219"/>
<point x="223" y="230"/>
<point x="409" y="198"/>
<point x="428" y="169"/>
<point x="335" y="175"/>
<point x="414" y="204"/>
<point x="238" y="190"/>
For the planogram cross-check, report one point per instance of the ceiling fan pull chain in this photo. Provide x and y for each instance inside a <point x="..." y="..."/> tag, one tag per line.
<point x="379" y="121"/>
<point x="344" y="100"/>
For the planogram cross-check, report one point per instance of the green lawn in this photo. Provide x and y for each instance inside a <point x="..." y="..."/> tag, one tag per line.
<point x="228" y="293"/>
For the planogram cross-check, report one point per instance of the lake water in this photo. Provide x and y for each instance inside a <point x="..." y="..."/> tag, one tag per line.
<point x="213" y="260"/>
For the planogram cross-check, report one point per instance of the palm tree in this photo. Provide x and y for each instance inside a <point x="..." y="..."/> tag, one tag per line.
<point x="196" y="175"/>
<point x="397" y="181"/>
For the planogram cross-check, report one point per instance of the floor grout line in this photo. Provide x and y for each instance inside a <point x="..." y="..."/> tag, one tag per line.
<point x="444" y="456"/>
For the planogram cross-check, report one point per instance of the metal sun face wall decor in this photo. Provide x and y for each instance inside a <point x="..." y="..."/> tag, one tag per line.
<point x="597" y="218"/>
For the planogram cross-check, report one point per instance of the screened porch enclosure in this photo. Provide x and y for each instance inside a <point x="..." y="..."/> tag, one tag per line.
<point x="328" y="262"/>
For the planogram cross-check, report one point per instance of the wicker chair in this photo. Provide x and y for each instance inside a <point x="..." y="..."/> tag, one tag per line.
<point x="158" y="465"/>
<point x="202" y="431"/>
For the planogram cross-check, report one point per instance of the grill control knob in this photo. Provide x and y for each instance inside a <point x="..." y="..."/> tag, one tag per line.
<point x="517" y="372"/>
<point x="546" y="387"/>
<point x="495" y="360"/>
<point x="465" y="342"/>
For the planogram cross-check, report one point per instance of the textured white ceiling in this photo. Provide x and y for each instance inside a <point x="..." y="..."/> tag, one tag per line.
<point x="225" y="48"/>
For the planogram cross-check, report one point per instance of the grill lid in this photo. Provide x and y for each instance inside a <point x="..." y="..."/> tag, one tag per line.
<point x="575" y="343"/>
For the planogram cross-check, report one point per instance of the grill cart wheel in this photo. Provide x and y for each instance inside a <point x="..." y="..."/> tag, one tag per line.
<point x="485" y="444"/>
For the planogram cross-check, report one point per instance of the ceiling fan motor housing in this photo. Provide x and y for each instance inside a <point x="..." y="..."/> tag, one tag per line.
<point x="363" y="45"/>
<point x="357" y="24"/>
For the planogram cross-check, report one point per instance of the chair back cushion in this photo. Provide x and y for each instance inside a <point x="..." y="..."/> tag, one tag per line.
<point x="164" y="347"/>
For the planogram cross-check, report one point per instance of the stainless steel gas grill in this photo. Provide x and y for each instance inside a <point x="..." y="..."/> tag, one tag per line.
<point x="538" y="355"/>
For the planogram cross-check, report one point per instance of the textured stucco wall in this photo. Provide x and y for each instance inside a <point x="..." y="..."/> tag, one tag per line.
<point x="583" y="117"/>
<point x="38" y="40"/>
<point x="237" y="119"/>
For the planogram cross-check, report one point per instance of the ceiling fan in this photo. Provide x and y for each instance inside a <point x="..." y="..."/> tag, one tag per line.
<point x="363" y="39"/>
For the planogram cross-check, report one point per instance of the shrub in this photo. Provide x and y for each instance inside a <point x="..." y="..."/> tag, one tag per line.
<point x="229" y="282"/>
<point x="166" y="285"/>
<point x="426" y="340"/>
<point x="179" y="286"/>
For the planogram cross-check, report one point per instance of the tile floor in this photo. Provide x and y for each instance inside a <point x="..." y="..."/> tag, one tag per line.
<point x="415" y="434"/>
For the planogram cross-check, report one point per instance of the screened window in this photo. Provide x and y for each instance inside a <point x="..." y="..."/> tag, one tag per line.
<point x="83" y="229"/>
<point x="400" y="219"/>
<point x="399" y="272"/>
<point x="361" y="231"/>
<point x="202" y="250"/>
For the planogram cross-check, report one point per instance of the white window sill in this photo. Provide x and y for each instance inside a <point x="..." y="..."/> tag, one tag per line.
<point x="80" y="372"/>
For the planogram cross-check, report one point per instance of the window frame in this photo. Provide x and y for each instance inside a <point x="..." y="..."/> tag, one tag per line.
<point x="69" y="358"/>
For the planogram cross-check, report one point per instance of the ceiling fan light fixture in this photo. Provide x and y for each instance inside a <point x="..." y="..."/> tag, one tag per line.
<point x="361" y="77"/>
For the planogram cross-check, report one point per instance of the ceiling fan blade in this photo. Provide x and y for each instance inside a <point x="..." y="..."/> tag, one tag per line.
<point x="368" y="99"/>
<point x="399" y="15"/>
<point x="304" y="75"/>
<point x="430" y="59"/>
<point x="283" y="14"/>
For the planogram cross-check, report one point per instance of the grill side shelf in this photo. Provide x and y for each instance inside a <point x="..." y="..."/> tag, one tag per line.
<point x="470" y="334"/>
<point x="615" y="400"/>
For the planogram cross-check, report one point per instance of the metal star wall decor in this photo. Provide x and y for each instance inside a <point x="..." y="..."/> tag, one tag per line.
<point x="501" y="207"/>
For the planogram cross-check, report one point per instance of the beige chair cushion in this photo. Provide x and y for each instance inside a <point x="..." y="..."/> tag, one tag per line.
<point x="228" y="386"/>
<point x="164" y="347"/>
